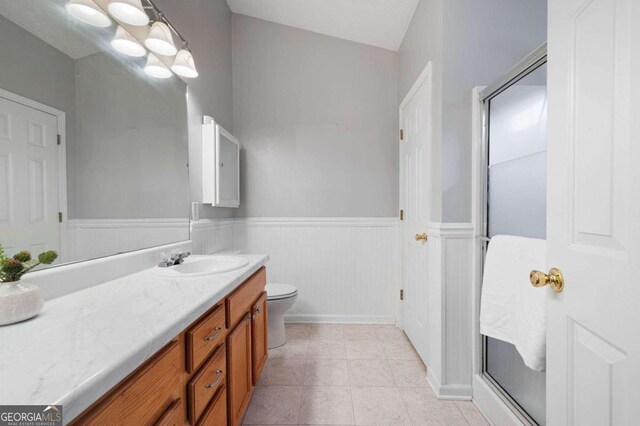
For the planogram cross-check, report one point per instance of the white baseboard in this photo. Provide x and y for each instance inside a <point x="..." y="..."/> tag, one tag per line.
<point x="456" y="392"/>
<point x="338" y="319"/>
<point x="448" y="392"/>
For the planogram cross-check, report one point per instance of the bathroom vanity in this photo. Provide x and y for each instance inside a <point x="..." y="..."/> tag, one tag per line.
<point x="144" y="349"/>
<point x="205" y="375"/>
<point x="98" y="171"/>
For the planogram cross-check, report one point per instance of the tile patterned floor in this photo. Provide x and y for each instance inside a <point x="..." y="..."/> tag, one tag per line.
<point x="337" y="374"/>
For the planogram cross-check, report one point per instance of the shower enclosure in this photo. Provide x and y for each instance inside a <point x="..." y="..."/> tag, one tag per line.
<point x="514" y="163"/>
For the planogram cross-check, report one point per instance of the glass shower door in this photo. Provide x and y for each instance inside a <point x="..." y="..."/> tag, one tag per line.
<point x="516" y="205"/>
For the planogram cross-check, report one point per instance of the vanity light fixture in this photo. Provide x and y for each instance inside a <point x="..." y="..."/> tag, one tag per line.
<point x="184" y="65"/>
<point x="88" y="12"/>
<point x="129" y="11"/>
<point x="126" y="44"/>
<point x="155" y="67"/>
<point x="160" y="39"/>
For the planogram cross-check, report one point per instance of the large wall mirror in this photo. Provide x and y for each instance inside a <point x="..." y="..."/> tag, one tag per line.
<point x="117" y="180"/>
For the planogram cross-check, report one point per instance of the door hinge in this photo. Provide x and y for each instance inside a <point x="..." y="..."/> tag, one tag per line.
<point x="60" y="217"/>
<point x="401" y="294"/>
<point x="401" y="134"/>
<point x="401" y="214"/>
<point x="59" y="139"/>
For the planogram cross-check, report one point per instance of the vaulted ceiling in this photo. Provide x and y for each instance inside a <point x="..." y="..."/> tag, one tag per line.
<point x="380" y="23"/>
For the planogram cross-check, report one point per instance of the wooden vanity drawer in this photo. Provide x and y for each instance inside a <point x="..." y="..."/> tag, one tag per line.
<point x="204" y="337"/>
<point x="241" y="300"/>
<point x="211" y="377"/>
<point x="142" y="398"/>
<point x="171" y="417"/>
<point x="216" y="414"/>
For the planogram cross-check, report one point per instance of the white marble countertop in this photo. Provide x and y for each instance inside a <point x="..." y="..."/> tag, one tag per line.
<point x="84" y="343"/>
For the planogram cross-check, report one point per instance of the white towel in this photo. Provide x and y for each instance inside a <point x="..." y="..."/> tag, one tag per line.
<point x="511" y="309"/>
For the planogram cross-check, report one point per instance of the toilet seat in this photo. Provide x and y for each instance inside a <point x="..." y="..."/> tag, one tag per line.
<point x="280" y="291"/>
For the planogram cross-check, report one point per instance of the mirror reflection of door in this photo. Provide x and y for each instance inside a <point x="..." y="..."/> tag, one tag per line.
<point x="29" y="179"/>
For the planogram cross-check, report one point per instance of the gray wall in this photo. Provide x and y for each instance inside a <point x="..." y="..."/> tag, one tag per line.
<point x="50" y="79"/>
<point x="422" y="44"/>
<point x="132" y="142"/>
<point x="317" y="119"/>
<point x="470" y="43"/>
<point x="206" y="24"/>
<point x="482" y="41"/>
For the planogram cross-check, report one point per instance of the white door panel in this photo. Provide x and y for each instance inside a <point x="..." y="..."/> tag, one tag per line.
<point x="414" y="119"/>
<point x="29" y="197"/>
<point x="593" y="234"/>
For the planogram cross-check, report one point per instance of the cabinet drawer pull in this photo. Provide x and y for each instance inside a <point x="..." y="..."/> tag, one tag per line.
<point x="218" y="331"/>
<point x="258" y="309"/>
<point x="214" y="384"/>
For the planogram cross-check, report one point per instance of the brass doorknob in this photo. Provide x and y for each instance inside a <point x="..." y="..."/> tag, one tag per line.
<point x="421" y="237"/>
<point x="555" y="279"/>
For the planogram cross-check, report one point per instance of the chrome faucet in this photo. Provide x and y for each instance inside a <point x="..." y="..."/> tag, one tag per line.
<point x="176" y="257"/>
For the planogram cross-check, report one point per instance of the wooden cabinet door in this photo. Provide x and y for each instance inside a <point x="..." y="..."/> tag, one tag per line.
<point x="239" y="370"/>
<point x="259" y="348"/>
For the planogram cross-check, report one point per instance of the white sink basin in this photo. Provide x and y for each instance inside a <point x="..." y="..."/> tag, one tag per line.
<point x="202" y="265"/>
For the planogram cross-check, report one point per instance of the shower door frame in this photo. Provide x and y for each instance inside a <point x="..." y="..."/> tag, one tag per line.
<point x="490" y="397"/>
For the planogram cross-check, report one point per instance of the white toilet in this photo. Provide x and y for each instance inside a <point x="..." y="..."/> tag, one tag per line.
<point x="280" y="297"/>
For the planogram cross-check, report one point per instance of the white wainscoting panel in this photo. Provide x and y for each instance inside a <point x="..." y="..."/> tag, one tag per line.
<point x="345" y="269"/>
<point x="92" y="238"/>
<point x="213" y="235"/>
<point x="450" y="366"/>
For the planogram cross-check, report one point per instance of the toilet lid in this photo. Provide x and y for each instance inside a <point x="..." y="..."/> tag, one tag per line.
<point x="280" y="291"/>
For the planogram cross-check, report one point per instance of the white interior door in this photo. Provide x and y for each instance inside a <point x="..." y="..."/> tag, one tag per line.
<point x="415" y="123"/>
<point x="593" y="366"/>
<point x="29" y="202"/>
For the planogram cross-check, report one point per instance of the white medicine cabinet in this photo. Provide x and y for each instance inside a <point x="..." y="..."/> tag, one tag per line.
<point x="220" y="166"/>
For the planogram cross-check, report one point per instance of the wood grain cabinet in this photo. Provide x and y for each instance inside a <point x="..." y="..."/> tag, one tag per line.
<point x="204" y="385"/>
<point x="246" y="343"/>
<point x="239" y="367"/>
<point x="171" y="417"/>
<point x="145" y="396"/>
<point x="205" y="336"/>
<point x="216" y="414"/>
<point x="259" y="344"/>
<point x="204" y="377"/>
